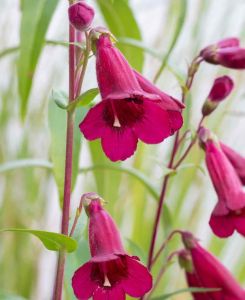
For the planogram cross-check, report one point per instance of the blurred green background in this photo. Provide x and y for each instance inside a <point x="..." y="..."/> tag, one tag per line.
<point x="33" y="61"/>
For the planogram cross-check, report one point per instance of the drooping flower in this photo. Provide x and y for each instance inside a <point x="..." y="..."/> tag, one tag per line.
<point x="237" y="161"/>
<point x="203" y="270"/>
<point x="110" y="273"/>
<point x="227" y="53"/>
<point x="81" y="15"/>
<point x="128" y="111"/>
<point x="220" y="90"/>
<point x="229" y="213"/>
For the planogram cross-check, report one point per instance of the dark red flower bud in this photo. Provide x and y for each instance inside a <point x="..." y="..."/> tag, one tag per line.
<point x="227" y="53"/>
<point x="81" y="15"/>
<point x="221" y="89"/>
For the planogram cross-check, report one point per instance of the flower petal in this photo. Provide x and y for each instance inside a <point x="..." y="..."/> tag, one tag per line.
<point x="93" y="124"/>
<point x="118" y="143"/>
<point x="139" y="280"/>
<point x="106" y="293"/>
<point x="239" y="221"/>
<point x="82" y="284"/>
<point x="155" y="125"/>
<point x="222" y="226"/>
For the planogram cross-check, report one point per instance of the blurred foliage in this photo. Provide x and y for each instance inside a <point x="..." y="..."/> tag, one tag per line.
<point x="32" y="151"/>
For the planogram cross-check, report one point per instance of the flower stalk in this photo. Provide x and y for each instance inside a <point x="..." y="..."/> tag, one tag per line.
<point x="190" y="77"/>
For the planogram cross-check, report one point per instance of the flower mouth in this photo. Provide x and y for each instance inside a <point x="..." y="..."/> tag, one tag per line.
<point x="108" y="274"/>
<point x="123" y="113"/>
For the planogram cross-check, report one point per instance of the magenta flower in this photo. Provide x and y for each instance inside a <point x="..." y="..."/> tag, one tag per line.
<point x="203" y="270"/>
<point x="229" y="213"/>
<point x="128" y="111"/>
<point x="81" y="15"/>
<point x="110" y="273"/>
<point x="220" y="90"/>
<point x="226" y="53"/>
<point x="237" y="161"/>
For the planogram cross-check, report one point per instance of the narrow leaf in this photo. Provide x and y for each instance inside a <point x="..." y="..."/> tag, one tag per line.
<point x="181" y="5"/>
<point x="120" y="20"/>
<point x="36" y="16"/>
<point x="24" y="163"/>
<point x="51" y="240"/>
<point x="86" y="98"/>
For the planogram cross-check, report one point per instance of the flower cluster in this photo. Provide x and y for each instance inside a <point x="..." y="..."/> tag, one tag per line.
<point x="133" y="109"/>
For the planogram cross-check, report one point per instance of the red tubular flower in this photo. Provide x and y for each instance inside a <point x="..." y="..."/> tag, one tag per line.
<point x="229" y="213"/>
<point x="128" y="111"/>
<point x="81" y="15"/>
<point x="110" y="273"/>
<point x="220" y="90"/>
<point x="237" y="161"/>
<point x="226" y="53"/>
<point x="203" y="270"/>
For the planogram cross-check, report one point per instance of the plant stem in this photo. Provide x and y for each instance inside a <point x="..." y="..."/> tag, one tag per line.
<point x="190" y="76"/>
<point x="190" y="146"/>
<point x="68" y="169"/>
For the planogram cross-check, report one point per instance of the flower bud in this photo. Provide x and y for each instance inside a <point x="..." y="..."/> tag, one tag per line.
<point x="203" y="270"/>
<point x="81" y="15"/>
<point x="221" y="89"/>
<point x="227" y="53"/>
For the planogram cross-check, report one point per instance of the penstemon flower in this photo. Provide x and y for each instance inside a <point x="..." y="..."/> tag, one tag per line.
<point x="111" y="273"/>
<point x="131" y="107"/>
<point x="227" y="53"/>
<point x="203" y="270"/>
<point x="229" y="213"/>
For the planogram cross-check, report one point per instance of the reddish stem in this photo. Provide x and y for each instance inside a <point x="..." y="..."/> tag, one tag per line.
<point x="68" y="168"/>
<point x="191" y="74"/>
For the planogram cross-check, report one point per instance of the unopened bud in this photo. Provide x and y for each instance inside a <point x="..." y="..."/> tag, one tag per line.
<point x="81" y="15"/>
<point x="220" y="90"/>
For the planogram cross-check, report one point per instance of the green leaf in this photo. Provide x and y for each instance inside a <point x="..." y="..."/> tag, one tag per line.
<point x="85" y="98"/>
<point x="181" y="6"/>
<point x="35" y="20"/>
<point x="51" y="240"/>
<point x="120" y="20"/>
<point x="24" y="163"/>
<point x="60" y="98"/>
<point x="187" y="290"/>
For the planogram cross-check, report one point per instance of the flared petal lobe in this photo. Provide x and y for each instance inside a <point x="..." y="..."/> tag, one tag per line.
<point x="139" y="280"/>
